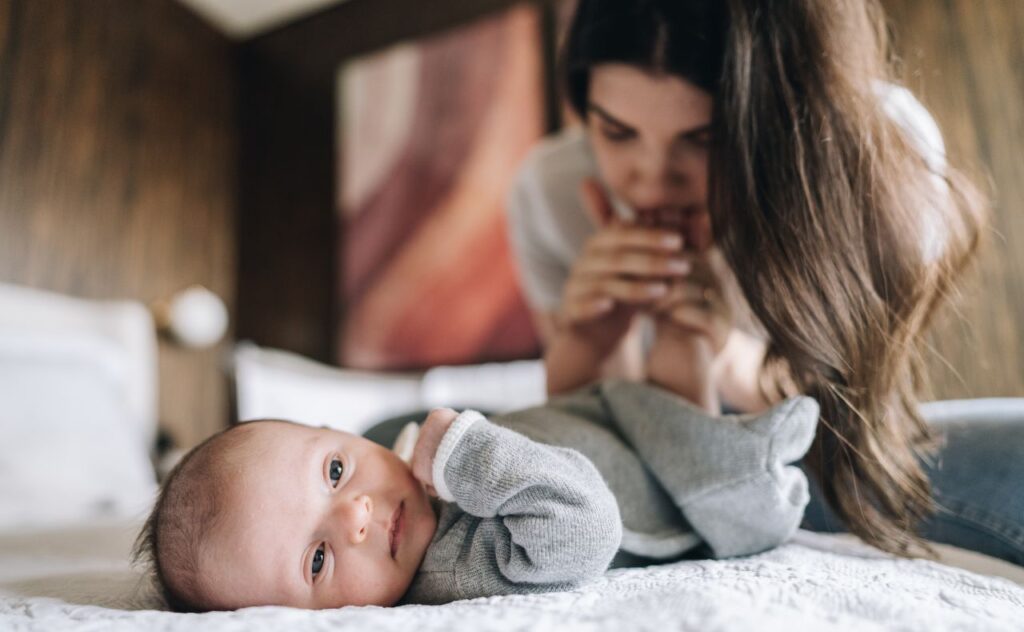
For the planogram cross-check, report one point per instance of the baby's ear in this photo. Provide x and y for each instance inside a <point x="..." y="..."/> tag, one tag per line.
<point x="406" y="441"/>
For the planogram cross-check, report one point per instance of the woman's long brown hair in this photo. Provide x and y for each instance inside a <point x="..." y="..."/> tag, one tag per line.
<point x="844" y="236"/>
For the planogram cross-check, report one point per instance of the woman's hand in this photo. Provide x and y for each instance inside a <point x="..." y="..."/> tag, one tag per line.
<point x="693" y="323"/>
<point x="432" y="432"/>
<point x="622" y="270"/>
<point x="704" y="303"/>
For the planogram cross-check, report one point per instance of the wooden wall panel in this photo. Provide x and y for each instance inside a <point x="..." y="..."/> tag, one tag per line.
<point x="117" y="167"/>
<point x="965" y="61"/>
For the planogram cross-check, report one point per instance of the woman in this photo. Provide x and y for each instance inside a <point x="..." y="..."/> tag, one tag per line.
<point x="763" y="213"/>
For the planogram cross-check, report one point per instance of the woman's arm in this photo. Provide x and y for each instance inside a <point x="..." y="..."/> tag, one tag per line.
<point x="744" y="382"/>
<point x="572" y="360"/>
<point x="738" y="373"/>
<point x="703" y="352"/>
<point x="682" y="362"/>
<point x="692" y="326"/>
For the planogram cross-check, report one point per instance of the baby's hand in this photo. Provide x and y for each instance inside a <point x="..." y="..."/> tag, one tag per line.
<point x="431" y="433"/>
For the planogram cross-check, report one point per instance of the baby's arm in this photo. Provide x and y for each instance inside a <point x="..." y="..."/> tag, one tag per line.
<point x="546" y="518"/>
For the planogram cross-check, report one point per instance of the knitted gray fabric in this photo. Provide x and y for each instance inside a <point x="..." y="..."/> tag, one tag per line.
<point x="647" y="474"/>
<point x="527" y="517"/>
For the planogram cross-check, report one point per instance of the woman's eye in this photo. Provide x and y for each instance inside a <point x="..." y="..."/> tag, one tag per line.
<point x="701" y="141"/>
<point x="318" y="560"/>
<point x="335" y="471"/>
<point x="616" y="135"/>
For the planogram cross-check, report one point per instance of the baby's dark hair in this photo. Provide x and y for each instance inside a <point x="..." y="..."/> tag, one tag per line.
<point x="187" y="507"/>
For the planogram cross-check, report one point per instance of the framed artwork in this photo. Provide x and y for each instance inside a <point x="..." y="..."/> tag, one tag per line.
<point x="430" y="135"/>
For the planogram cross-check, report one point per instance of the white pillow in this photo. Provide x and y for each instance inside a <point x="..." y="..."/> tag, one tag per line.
<point x="281" y="385"/>
<point x="494" y="387"/>
<point x="278" y="384"/>
<point x="35" y="319"/>
<point x="70" y="447"/>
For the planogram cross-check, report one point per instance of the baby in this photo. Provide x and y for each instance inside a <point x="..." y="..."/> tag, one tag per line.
<point x="278" y="513"/>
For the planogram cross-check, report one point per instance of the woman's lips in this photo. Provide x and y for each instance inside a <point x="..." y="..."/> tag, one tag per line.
<point x="395" y="533"/>
<point x="667" y="216"/>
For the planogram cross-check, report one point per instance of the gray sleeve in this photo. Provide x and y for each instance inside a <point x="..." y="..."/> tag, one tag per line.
<point x="728" y="475"/>
<point x="547" y="520"/>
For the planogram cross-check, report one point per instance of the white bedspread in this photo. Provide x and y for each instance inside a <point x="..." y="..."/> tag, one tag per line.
<point x="817" y="582"/>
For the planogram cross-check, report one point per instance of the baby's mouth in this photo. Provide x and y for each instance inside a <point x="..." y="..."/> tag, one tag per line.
<point x="395" y="533"/>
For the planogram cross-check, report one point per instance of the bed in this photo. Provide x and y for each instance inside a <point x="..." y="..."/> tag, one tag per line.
<point x="78" y="579"/>
<point x="86" y="370"/>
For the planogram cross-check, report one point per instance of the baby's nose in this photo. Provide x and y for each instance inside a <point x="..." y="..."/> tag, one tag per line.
<point x="359" y="513"/>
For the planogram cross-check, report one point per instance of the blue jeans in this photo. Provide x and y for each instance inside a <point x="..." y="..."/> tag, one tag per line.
<point x="977" y="479"/>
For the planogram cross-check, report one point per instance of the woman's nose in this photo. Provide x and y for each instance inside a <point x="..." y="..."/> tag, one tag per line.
<point x="651" y="192"/>
<point x="653" y="183"/>
<point x="355" y="516"/>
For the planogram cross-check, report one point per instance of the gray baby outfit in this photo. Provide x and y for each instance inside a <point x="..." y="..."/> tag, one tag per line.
<point x="543" y="499"/>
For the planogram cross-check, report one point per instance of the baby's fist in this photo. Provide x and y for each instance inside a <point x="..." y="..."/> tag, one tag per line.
<point x="431" y="433"/>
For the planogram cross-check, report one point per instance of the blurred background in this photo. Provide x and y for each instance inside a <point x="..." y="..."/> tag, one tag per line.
<point x="334" y="172"/>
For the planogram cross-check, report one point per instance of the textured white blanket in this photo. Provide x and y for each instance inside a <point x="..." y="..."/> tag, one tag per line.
<point x="816" y="582"/>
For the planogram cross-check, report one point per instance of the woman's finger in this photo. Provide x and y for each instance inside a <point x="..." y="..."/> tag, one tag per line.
<point x="587" y="309"/>
<point x="680" y="292"/>
<point x="695" y="317"/>
<point x="623" y="238"/>
<point x="696" y="292"/>
<point x="632" y="292"/>
<point x="635" y="263"/>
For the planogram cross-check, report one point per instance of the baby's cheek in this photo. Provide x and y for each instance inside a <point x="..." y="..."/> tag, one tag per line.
<point x="382" y="584"/>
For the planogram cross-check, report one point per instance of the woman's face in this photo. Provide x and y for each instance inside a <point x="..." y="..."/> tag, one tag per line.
<point x="650" y="134"/>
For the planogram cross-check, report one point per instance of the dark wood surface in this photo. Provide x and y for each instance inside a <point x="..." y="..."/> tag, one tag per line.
<point x="287" y="228"/>
<point x="313" y="47"/>
<point x="117" y="168"/>
<point x="965" y="61"/>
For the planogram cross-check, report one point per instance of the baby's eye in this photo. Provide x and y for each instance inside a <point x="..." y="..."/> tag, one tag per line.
<point x="318" y="560"/>
<point x="335" y="471"/>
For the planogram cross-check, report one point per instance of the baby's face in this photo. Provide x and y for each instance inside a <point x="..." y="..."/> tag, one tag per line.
<point x="316" y="518"/>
